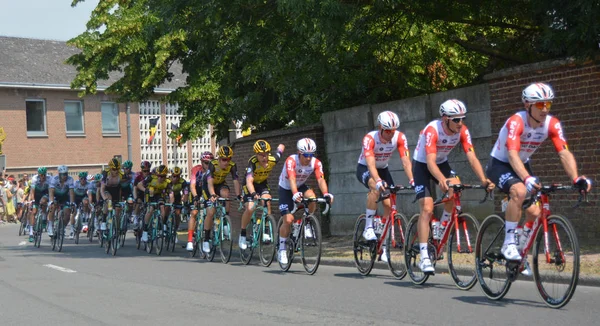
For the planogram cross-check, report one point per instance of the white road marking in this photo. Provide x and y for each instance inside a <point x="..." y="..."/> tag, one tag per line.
<point x="22" y="243"/>
<point x="58" y="268"/>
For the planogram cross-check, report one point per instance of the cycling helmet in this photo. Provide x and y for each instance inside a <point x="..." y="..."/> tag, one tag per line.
<point x="42" y="170"/>
<point x="537" y="92"/>
<point x="176" y="171"/>
<point x="453" y="108"/>
<point x="306" y="145"/>
<point x="114" y="164"/>
<point x="261" y="146"/>
<point x="146" y="165"/>
<point x="162" y="170"/>
<point x="225" y="152"/>
<point x="83" y="174"/>
<point x="127" y="164"/>
<point x="207" y="156"/>
<point x="388" y="120"/>
<point x="90" y="177"/>
<point x="98" y="177"/>
<point x="63" y="169"/>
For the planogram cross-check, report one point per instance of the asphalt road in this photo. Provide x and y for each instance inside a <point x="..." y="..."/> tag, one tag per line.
<point x="82" y="285"/>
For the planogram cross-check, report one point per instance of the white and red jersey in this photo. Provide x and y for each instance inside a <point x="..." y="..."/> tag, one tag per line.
<point x="374" y="146"/>
<point x="433" y="139"/>
<point x="517" y="134"/>
<point x="292" y="167"/>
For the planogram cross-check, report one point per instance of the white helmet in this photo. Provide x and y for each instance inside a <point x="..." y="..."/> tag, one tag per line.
<point x="90" y="177"/>
<point x="453" y="108"/>
<point x="63" y="169"/>
<point x="388" y="120"/>
<point x="537" y="92"/>
<point x="306" y="145"/>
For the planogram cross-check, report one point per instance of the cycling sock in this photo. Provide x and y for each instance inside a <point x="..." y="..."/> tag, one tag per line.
<point x="423" y="250"/>
<point x="509" y="232"/>
<point x="369" y="220"/>
<point x="190" y="235"/>
<point x="445" y="216"/>
<point x="243" y="232"/>
<point x="282" y="242"/>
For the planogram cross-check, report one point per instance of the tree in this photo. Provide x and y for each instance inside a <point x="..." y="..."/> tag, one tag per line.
<point x="268" y="62"/>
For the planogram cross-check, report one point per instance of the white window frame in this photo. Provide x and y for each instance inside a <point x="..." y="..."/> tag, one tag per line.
<point x="110" y="132"/>
<point x="73" y="132"/>
<point x="37" y="133"/>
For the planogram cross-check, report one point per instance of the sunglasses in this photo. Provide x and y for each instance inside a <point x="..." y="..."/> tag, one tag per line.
<point x="391" y="131"/>
<point x="542" y="105"/>
<point x="307" y="155"/>
<point x="457" y="120"/>
<point x="205" y="162"/>
<point x="224" y="159"/>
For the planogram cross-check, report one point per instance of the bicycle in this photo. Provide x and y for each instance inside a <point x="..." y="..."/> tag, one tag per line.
<point x="199" y="230"/>
<point x="124" y="222"/>
<point x="59" y="230"/>
<point x="140" y="229"/>
<point x="80" y="218"/>
<point x="111" y="234"/>
<point x="300" y="241"/>
<point x="170" y="231"/>
<point x="553" y="235"/>
<point x="221" y="233"/>
<point x="260" y="234"/>
<point x="460" y="257"/>
<point x="91" y="231"/>
<point x="38" y="224"/>
<point x="392" y="228"/>
<point x="155" y="230"/>
<point x="24" y="227"/>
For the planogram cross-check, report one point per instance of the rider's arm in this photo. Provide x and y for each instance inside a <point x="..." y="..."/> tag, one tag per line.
<point x="368" y="147"/>
<point x="467" y="144"/>
<point x="72" y="195"/>
<point x="102" y="190"/>
<point x="556" y="134"/>
<point x="431" y="137"/>
<point x="513" y="145"/>
<point x="405" y="156"/>
<point x="51" y="191"/>
<point x="236" y="181"/>
<point x="320" y="176"/>
<point x="290" y="167"/>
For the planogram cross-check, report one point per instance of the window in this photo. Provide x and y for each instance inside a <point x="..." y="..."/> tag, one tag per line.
<point x="110" y="118"/>
<point x="74" y="117"/>
<point x="36" y="117"/>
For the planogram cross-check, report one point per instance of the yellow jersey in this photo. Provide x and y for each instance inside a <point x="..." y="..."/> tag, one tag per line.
<point x="259" y="172"/>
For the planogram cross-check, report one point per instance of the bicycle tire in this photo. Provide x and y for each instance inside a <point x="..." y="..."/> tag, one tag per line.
<point x="124" y="227"/>
<point x="311" y="246"/>
<point x="172" y="234"/>
<point x="22" y="227"/>
<point x="210" y="256"/>
<point x="267" y="247"/>
<point x="246" y="254"/>
<point x="361" y="246"/>
<point x="289" y="244"/>
<point x="394" y="247"/>
<point x="61" y="228"/>
<point x="567" y="237"/>
<point x="225" y="242"/>
<point x="108" y="233"/>
<point x="149" y="245"/>
<point x="412" y="253"/>
<point x="466" y="256"/>
<point x="114" y="240"/>
<point x="91" y="229"/>
<point x="38" y="230"/>
<point x="197" y="239"/>
<point x="159" y="235"/>
<point x="490" y="239"/>
<point x="77" y="229"/>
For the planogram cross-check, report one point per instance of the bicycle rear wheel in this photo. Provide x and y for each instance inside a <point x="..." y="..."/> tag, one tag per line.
<point x="289" y="247"/>
<point x="461" y="262"/>
<point x="37" y="234"/>
<point x="266" y="245"/>
<point x="412" y="253"/>
<point x="77" y="230"/>
<point x="225" y="243"/>
<point x="490" y="264"/>
<point x="364" y="250"/>
<point x="394" y="246"/>
<point x="246" y="254"/>
<point x="124" y="226"/>
<point x="159" y="234"/>
<point x="556" y="280"/>
<point x="149" y="245"/>
<point x="60" y="233"/>
<point x="310" y="244"/>
<point x="114" y="240"/>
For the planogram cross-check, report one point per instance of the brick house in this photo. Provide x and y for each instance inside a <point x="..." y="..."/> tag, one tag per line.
<point x="47" y="124"/>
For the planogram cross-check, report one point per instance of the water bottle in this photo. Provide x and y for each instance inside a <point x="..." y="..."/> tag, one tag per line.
<point x="377" y="225"/>
<point x="435" y="228"/>
<point x="296" y="228"/>
<point x="110" y="205"/>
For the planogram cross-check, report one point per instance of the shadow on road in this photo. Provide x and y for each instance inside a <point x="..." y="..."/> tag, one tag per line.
<point x="358" y="276"/>
<point x="428" y="285"/>
<point x="482" y="300"/>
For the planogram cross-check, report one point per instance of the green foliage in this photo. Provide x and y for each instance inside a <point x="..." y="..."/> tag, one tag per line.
<point x="269" y="63"/>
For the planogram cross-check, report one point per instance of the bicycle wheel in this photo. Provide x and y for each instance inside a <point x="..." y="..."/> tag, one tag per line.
<point x="198" y="233"/>
<point x="22" y="226"/>
<point x="77" y="230"/>
<point x="310" y="244"/>
<point x="172" y="231"/>
<point x="108" y="234"/>
<point x="556" y="280"/>
<point x="124" y="226"/>
<point x="53" y="237"/>
<point x="159" y="234"/>
<point x="214" y="233"/>
<point x="225" y="243"/>
<point x="37" y="234"/>
<point x="289" y="245"/>
<point x="489" y="261"/>
<point x="364" y="250"/>
<point x="246" y="254"/>
<point x="114" y="239"/>
<point x="461" y="251"/>
<point x="91" y="228"/>
<point x="394" y="246"/>
<point x="412" y="253"/>
<point x="149" y="245"/>
<point x="60" y="232"/>
<point x="266" y="245"/>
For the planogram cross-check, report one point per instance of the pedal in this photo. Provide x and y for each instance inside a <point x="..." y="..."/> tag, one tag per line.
<point x="429" y="273"/>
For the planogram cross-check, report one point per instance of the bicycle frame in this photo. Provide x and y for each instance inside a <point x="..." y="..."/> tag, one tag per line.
<point x="391" y="219"/>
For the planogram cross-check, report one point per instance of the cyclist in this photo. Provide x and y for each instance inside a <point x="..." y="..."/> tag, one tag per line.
<point x="196" y="191"/>
<point x="372" y="169"/>
<point x="436" y="141"/>
<point x="179" y="195"/>
<point x="214" y="186"/>
<point x="127" y="180"/>
<point x="61" y="190"/>
<point x="509" y="166"/>
<point x="158" y="187"/>
<point x="256" y="186"/>
<point x="138" y="195"/>
<point x="38" y="194"/>
<point x="292" y="187"/>
<point x="110" y="190"/>
<point x="81" y="188"/>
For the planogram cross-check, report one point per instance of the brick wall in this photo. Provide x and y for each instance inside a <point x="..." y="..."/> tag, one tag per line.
<point x="577" y="106"/>
<point x="242" y="149"/>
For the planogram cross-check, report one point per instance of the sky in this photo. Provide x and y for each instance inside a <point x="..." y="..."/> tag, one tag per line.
<point x="44" y="19"/>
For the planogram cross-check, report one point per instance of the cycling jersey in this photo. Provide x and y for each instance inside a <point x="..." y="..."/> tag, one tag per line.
<point x="433" y="139"/>
<point x="374" y="146"/>
<point x="39" y="186"/>
<point x="196" y="178"/>
<point x="258" y="171"/>
<point x="293" y="168"/>
<point x="61" y="188"/>
<point x="112" y="185"/>
<point x="517" y="134"/>
<point x="158" y="189"/>
<point x="180" y="186"/>
<point x="82" y="189"/>
<point x="217" y="174"/>
<point x="127" y="179"/>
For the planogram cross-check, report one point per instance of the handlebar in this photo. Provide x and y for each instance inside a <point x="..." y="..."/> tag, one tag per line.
<point x="306" y="201"/>
<point x="264" y="199"/>
<point x="545" y="190"/>
<point x="393" y="190"/>
<point x="459" y="187"/>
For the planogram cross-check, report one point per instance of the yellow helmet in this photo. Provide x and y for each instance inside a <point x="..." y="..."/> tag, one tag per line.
<point x="261" y="146"/>
<point x="225" y="152"/>
<point x="176" y="171"/>
<point x="114" y="164"/>
<point x="162" y="170"/>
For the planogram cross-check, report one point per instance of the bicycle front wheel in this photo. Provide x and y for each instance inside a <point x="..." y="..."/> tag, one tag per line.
<point x="394" y="246"/>
<point x="556" y="278"/>
<point x="364" y="250"/>
<point x="490" y="264"/>
<point x="38" y="230"/>
<point x="225" y="245"/>
<point x="310" y="244"/>
<point x="159" y="235"/>
<point x="246" y="254"/>
<point x="289" y="247"/>
<point x="114" y="236"/>
<point x="461" y="251"/>
<point x="60" y="233"/>
<point x="412" y="252"/>
<point x="266" y="246"/>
